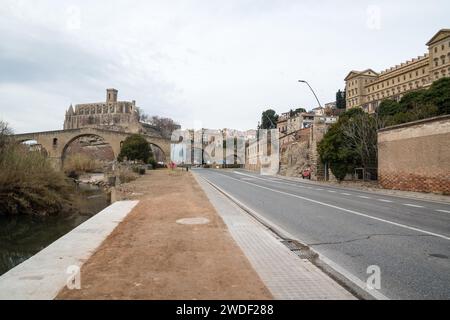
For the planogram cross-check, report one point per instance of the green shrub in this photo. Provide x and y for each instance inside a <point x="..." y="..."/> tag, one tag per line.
<point x="417" y="105"/>
<point x="153" y="163"/>
<point x="135" y="148"/>
<point x="340" y="170"/>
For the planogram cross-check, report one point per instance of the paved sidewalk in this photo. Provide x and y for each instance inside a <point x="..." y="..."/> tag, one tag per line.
<point x="284" y="273"/>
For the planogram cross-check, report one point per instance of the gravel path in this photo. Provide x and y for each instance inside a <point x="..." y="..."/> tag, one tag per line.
<point x="151" y="256"/>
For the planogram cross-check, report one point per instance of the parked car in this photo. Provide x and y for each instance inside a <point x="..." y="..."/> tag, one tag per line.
<point x="306" y="174"/>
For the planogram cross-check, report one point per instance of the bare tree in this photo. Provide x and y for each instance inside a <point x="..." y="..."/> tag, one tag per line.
<point x="5" y="132"/>
<point x="165" y="125"/>
<point x="142" y="116"/>
<point x="360" y="133"/>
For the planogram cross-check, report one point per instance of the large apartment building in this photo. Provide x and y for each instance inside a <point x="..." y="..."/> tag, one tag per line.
<point x="366" y="89"/>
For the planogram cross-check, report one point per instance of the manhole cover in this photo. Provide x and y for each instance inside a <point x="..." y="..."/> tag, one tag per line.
<point x="193" y="221"/>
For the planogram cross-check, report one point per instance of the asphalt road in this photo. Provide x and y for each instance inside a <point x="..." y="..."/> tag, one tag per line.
<point x="408" y="239"/>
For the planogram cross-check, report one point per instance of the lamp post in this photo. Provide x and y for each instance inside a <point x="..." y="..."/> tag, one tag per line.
<point x="326" y="164"/>
<point x="304" y="81"/>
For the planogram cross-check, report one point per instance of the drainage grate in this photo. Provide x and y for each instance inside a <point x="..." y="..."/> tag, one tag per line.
<point x="302" y="251"/>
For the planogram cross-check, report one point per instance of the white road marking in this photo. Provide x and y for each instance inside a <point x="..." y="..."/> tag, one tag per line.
<point x="346" y="194"/>
<point x="363" y="285"/>
<point x="332" y="191"/>
<point x="282" y="181"/>
<point x="444" y="211"/>
<point x="412" y="205"/>
<point x="384" y="200"/>
<point x="343" y="209"/>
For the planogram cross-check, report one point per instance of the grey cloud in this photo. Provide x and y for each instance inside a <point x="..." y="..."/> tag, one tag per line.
<point x="46" y="59"/>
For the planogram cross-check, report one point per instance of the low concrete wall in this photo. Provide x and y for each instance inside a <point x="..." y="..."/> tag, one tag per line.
<point x="44" y="275"/>
<point x="416" y="156"/>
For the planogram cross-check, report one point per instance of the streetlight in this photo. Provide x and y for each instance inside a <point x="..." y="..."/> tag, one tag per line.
<point x="304" y="81"/>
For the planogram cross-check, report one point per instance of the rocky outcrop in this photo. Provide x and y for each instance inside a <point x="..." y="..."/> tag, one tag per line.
<point x="294" y="159"/>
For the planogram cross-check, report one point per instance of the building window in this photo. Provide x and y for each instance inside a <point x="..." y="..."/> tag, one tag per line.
<point x="55" y="142"/>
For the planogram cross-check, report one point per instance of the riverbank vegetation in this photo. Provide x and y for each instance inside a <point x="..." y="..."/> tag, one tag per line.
<point x="80" y="163"/>
<point x="351" y="142"/>
<point x="28" y="183"/>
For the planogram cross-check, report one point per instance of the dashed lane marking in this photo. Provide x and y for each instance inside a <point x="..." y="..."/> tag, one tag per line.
<point x="412" y="205"/>
<point x="342" y="209"/>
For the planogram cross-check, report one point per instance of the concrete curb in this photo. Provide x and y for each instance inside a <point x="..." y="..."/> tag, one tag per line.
<point x="46" y="273"/>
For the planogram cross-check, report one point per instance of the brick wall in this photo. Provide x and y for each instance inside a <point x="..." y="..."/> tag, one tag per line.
<point x="416" y="156"/>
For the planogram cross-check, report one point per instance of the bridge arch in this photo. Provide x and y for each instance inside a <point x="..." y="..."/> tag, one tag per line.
<point x="106" y="150"/>
<point x="158" y="153"/>
<point x="56" y="142"/>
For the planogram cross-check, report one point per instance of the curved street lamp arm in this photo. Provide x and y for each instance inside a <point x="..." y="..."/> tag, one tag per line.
<point x="320" y="105"/>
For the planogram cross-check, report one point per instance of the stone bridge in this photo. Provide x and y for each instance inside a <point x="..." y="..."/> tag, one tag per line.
<point x="57" y="142"/>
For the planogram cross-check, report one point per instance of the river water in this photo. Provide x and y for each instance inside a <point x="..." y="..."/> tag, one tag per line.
<point x="23" y="236"/>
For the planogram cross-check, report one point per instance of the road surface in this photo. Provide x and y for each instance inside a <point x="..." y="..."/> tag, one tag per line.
<point x="408" y="239"/>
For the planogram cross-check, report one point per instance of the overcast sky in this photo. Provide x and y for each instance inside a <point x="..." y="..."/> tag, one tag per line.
<point x="211" y="63"/>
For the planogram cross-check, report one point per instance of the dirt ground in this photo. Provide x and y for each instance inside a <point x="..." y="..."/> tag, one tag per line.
<point x="150" y="256"/>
